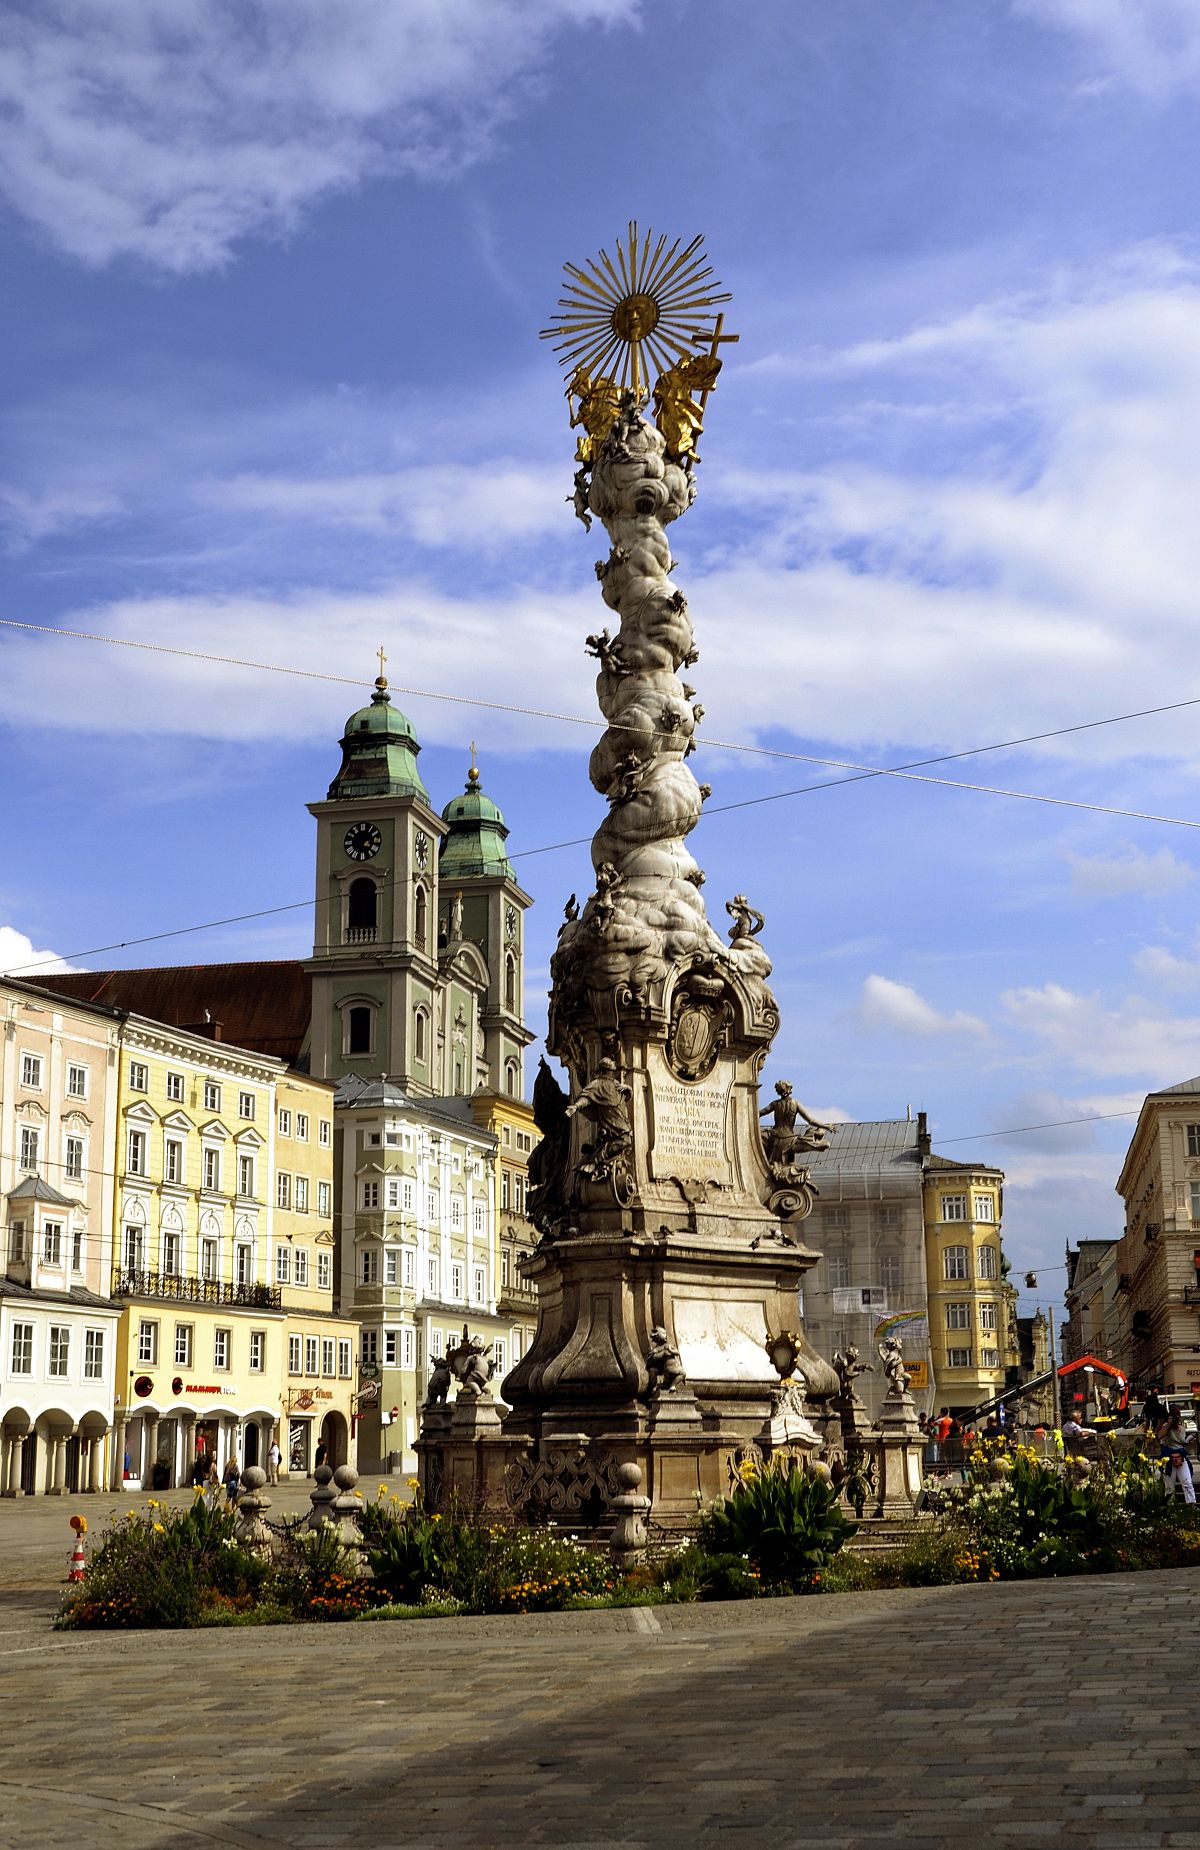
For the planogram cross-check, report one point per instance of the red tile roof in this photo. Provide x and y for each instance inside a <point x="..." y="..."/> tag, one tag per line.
<point x="264" y="1006"/>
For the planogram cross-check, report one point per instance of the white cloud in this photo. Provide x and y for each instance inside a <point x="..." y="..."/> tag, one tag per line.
<point x="898" y="1008"/>
<point x="1130" y="870"/>
<point x="1136" y="1040"/>
<point x="19" y="956"/>
<point x="26" y="519"/>
<point x="439" y="505"/>
<point x="168" y="129"/>
<point x="1156" y="964"/>
<point x="1151" y="45"/>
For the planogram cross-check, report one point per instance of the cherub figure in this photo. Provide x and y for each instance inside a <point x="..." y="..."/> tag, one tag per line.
<point x="747" y="921"/>
<point x="664" y="1363"/>
<point x="892" y="1357"/>
<point x="598" y="409"/>
<point x="439" y="1381"/>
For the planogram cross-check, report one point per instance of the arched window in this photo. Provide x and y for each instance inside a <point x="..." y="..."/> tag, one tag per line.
<point x="360" y="1023"/>
<point x="361" y="919"/>
<point x="510" y="983"/>
<point x="511" y="1079"/>
<point x="420" y="1032"/>
<point x="421" y="919"/>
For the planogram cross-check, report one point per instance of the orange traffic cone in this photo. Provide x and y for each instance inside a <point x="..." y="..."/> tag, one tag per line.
<point x="78" y="1558"/>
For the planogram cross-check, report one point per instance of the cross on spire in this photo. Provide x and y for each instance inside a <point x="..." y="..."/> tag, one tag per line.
<point x="473" y="773"/>
<point x="382" y="660"/>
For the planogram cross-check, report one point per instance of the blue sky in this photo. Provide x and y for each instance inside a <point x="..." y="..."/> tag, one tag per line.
<point x="271" y="283"/>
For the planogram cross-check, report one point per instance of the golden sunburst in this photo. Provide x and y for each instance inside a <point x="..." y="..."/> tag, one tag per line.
<point x="654" y="304"/>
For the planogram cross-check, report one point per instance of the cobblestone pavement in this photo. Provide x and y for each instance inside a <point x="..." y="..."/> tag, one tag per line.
<point x="968" y="1718"/>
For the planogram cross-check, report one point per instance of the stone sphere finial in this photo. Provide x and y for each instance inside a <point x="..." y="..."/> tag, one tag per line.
<point x="254" y="1477"/>
<point x="345" y="1477"/>
<point x="629" y="1477"/>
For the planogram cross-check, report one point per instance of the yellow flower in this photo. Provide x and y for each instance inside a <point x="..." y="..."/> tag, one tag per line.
<point x="158" y="1529"/>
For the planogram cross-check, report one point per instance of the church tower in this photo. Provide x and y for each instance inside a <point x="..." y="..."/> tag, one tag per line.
<point x="374" y="967"/>
<point x="481" y="904"/>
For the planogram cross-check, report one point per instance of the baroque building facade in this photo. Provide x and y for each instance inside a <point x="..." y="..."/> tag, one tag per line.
<point x="1158" y="1255"/>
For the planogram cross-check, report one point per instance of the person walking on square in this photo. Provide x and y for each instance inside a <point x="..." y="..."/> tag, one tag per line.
<point x="1179" y="1471"/>
<point x="274" y="1460"/>
<point x="231" y="1481"/>
<point x="212" y="1484"/>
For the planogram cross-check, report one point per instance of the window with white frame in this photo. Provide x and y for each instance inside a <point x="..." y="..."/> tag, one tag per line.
<point x="173" y="1160"/>
<point x="139" y="1076"/>
<point x="887" y="1219"/>
<point x="456" y="1211"/>
<point x="407" y="1197"/>
<point x="368" y="1348"/>
<point x="369" y="1266"/>
<point x="392" y="1192"/>
<point x="958" y="1316"/>
<point x="324" y="1132"/>
<point x="1193" y="1139"/>
<point x="258" y="1351"/>
<point x="985" y="1207"/>
<point x="479" y="1282"/>
<point x="132" y="1248"/>
<point x="369" y="1195"/>
<point x="31" y="1071"/>
<point x="519" y="1194"/>
<point x="302" y="1126"/>
<point x="59" y="1352"/>
<point x="431" y="1208"/>
<point x="324" y="1271"/>
<point x="246" y="1176"/>
<point x="891" y="1271"/>
<point x="212" y="1169"/>
<point x="93" y="1355"/>
<point x="293" y="1355"/>
<point x="137" y="1161"/>
<point x="391" y="1349"/>
<point x="77" y="1249"/>
<point x="433" y="1277"/>
<point x="410" y="1267"/>
<point x="175" y="1087"/>
<point x="958" y="1358"/>
<point x="246" y="1104"/>
<point x="989" y="1358"/>
<point x="212" y="1095"/>
<point x="987" y="1317"/>
<point x="302" y="1265"/>
<point x="285" y="1123"/>
<point x="283" y="1265"/>
<point x="210" y="1260"/>
<point x="222" y="1345"/>
<point x="30" y="1146"/>
<point x="345" y="1357"/>
<point x="283" y="1189"/>
<point x="390" y="1262"/>
<point x="407" y="1349"/>
<point x="22" y="1349"/>
<point x="505" y="1267"/>
<point x="456" y="1283"/>
<point x="478" y="1217"/>
<point x="171" y="1253"/>
<point x="837" y="1271"/>
<point x="505" y="1189"/>
<point x="73" y="1159"/>
<point x="954" y="1207"/>
<point x="302" y="1194"/>
<point x="989" y="1262"/>
<point x="147" y="1342"/>
<point x="77" y="1081"/>
<point x="243" y="1264"/>
<point x="52" y="1242"/>
<point x="954" y="1262"/>
<point x="324" y="1200"/>
<point x="184" y="1339"/>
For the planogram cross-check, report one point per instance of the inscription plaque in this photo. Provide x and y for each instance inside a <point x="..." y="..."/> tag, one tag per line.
<point x="689" y="1123"/>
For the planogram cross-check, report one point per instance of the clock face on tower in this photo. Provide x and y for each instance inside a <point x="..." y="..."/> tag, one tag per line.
<point x="362" y="841"/>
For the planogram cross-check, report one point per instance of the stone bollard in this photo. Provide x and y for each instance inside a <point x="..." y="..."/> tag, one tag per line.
<point x="322" y="1497"/>
<point x="346" y="1507"/>
<point x="630" y="1510"/>
<point x="250" y="1528"/>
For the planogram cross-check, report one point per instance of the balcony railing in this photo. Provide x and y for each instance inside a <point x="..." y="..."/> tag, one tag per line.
<point x="359" y="934"/>
<point x="195" y="1290"/>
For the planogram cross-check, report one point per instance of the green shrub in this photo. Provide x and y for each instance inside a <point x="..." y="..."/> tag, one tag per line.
<point x="787" y="1524"/>
<point x="166" y="1568"/>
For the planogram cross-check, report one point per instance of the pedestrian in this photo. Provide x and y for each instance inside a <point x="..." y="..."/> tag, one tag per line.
<point x="212" y="1484"/>
<point x="322" y="1455"/>
<point x="1173" y="1440"/>
<point x="231" y="1481"/>
<point x="199" y="1470"/>
<point x="274" y="1460"/>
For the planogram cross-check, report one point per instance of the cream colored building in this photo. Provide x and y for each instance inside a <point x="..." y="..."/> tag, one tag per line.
<point x="970" y="1306"/>
<point x="510" y="1121"/>
<point x="58" y="1325"/>
<point x="1156" y="1312"/>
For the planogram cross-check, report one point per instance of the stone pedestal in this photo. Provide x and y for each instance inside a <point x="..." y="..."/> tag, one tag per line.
<point x="899" y="1447"/>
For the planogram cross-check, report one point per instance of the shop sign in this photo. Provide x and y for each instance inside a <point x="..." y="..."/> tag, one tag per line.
<point x="201" y="1387"/>
<point x="918" y="1373"/>
<point x="143" y="1385"/>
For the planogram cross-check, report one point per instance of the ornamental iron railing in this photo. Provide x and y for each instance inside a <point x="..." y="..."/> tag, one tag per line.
<point x="174" y="1286"/>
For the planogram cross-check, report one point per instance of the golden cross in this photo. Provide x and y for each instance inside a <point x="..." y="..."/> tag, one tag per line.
<point x="474" y="766"/>
<point x="382" y="660"/>
<point x="718" y="340"/>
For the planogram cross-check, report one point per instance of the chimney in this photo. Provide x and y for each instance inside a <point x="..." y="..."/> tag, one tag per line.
<point x="924" y="1145"/>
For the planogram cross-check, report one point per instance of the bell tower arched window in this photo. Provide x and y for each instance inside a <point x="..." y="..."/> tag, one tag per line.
<point x="420" y="1034"/>
<point x="421" y="918"/>
<point x="510" y="983"/>
<point x="362" y="912"/>
<point x="359" y="1029"/>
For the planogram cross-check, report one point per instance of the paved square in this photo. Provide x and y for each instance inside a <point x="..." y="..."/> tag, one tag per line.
<point x="1007" y="1716"/>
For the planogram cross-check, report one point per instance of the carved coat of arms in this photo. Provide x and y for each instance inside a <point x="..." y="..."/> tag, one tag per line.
<point x="696" y="1033"/>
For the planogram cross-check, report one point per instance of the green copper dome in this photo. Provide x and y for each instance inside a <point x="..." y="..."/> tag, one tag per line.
<point x="379" y="752"/>
<point x="475" y="843"/>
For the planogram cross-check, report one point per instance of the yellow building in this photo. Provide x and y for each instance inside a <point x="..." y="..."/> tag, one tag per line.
<point x="318" y="1345"/>
<point x="206" y="1192"/>
<point x="969" y="1305"/>
<point x="511" y="1123"/>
